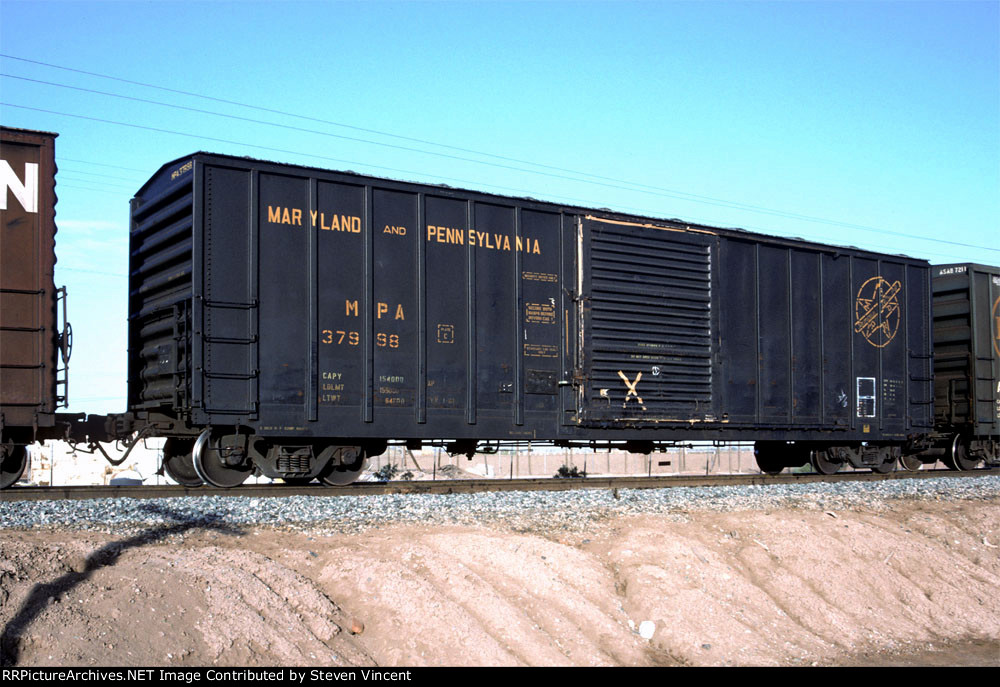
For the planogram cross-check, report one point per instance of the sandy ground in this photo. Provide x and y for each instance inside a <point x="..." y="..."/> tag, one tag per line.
<point x="914" y="586"/>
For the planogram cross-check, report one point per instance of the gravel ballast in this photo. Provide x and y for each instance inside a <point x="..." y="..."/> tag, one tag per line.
<point x="528" y="510"/>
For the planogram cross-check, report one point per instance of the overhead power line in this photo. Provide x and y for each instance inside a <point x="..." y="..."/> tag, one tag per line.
<point x="291" y="114"/>
<point x="102" y="183"/>
<point x="629" y="185"/>
<point x="60" y="158"/>
<point x="289" y="127"/>
<point x="98" y="190"/>
<point x="93" y="174"/>
<point x="403" y="171"/>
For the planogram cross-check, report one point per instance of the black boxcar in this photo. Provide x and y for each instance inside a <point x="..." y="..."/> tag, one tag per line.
<point x="967" y="364"/>
<point x="295" y="319"/>
<point x="32" y="383"/>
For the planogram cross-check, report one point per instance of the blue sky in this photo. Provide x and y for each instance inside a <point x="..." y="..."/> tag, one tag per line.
<point x="856" y="123"/>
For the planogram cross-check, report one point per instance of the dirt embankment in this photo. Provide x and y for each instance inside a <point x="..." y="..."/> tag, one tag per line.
<point x="918" y="585"/>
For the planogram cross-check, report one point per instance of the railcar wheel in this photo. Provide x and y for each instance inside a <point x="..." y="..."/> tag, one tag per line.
<point x="178" y="462"/>
<point x="221" y="462"/>
<point x="821" y="462"/>
<point x="345" y="467"/>
<point x="13" y="461"/>
<point x="770" y="456"/>
<point x="910" y="462"/>
<point x="957" y="456"/>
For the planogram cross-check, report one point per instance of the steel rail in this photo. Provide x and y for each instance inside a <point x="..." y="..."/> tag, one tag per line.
<point x="466" y="486"/>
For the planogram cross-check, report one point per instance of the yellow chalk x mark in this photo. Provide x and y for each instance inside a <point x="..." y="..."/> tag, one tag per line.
<point x="631" y="389"/>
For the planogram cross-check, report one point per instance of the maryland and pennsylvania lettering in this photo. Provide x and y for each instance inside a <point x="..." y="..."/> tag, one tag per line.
<point x="276" y="214"/>
<point x="483" y="239"/>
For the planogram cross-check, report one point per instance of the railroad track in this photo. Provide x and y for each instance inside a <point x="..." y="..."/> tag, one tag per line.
<point x="466" y="486"/>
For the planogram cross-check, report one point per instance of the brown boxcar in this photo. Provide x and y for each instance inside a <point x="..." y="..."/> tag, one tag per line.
<point x="32" y="383"/>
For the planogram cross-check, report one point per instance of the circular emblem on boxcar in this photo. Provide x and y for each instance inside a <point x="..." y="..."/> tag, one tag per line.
<point x="876" y="311"/>
<point x="996" y="325"/>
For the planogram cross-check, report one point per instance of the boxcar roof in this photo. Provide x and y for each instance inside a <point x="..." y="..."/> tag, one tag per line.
<point x="735" y="232"/>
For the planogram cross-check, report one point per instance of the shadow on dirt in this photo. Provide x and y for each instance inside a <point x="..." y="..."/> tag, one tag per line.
<point x="43" y="593"/>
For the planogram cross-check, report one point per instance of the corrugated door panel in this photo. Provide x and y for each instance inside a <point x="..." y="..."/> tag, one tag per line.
<point x="648" y="332"/>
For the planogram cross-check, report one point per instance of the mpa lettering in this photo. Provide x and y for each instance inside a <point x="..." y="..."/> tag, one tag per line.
<point x="351" y="308"/>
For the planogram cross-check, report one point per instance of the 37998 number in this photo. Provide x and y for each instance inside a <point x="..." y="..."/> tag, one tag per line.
<point x="340" y="337"/>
